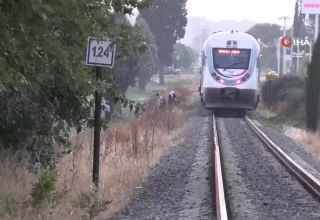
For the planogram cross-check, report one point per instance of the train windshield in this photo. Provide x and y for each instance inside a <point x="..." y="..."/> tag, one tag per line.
<point x="231" y="58"/>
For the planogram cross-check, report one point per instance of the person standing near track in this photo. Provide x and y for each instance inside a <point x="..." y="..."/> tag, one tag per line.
<point x="107" y="110"/>
<point x="172" y="98"/>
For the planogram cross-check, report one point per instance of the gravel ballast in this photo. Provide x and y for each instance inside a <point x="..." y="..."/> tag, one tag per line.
<point x="178" y="187"/>
<point x="294" y="150"/>
<point x="257" y="185"/>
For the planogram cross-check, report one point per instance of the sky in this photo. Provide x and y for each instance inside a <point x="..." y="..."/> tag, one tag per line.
<point x="253" y="10"/>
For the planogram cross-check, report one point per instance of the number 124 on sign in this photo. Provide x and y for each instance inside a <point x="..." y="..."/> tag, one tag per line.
<point x="100" y="53"/>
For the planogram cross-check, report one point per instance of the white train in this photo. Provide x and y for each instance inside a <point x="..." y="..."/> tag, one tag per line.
<point x="229" y="76"/>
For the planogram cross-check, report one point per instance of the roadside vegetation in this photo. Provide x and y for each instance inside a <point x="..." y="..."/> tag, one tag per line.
<point x="128" y="151"/>
<point x="46" y="103"/>
<point x="291" y="102"/>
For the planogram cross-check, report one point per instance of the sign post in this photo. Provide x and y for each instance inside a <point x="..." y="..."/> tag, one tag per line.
<point x="100" y="53"/>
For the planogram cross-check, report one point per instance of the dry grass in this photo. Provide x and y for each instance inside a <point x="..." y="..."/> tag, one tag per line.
<point x="309" y="140"/>
<point x="128" y="151"/>
<point x="266" y="113"/>
<point x="272" y="112"/>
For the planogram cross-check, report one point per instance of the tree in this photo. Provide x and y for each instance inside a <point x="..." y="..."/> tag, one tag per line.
<point x="187" y="55"/>
<point x="167" y="20"/>
<point x="44" y="84"/>
<point x="124" y="66"/>
<point x="199" y="39"/>
<point x="268" y="33"/>
<point x="147" y="61"/>
<point x="299" y="30"/>
<point x="313" y="88"/>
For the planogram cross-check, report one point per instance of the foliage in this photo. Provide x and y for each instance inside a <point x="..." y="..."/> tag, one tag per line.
<point x="299" y="30"/>
<point x="91" y="204"/>
<point x="286" y="92"/>
<point x="44" y="86"/>
<point x="313" y="88"/>
<point x="268" y="33"/>
<point x="167" y="20"/>
<point x="44" y="188"/>
<point x="8" y="205"/>
<point x="186" y="54"/>
<point x="124" y="67"/>
<point x="146" y="62"/>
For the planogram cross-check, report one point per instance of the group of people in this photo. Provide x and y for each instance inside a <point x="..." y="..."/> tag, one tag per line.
<point x="172" y="99"/>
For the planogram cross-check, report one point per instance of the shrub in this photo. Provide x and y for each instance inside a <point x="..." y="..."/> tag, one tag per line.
<point x="128" y="150"/>
<point x="287" y="92"/>
<point x="44" y="189"/>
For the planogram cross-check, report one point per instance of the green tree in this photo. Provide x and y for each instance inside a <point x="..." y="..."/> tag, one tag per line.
<point x="167" y="20"/>
<point x="186" y="55"/>
<point x="147" y="61"/>
<point x="313" y="88"/>
<point x="124" y="68"/>
<point x="268" y="33"/>
<point x="299" y="31"/>
<point x="44" y="84"/>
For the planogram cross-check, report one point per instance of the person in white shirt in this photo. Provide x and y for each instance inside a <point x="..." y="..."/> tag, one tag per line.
<point x="107" y="110"/>
<point x="172" y="98"/>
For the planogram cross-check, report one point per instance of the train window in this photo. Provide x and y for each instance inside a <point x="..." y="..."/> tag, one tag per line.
<point x="231" y="58"/>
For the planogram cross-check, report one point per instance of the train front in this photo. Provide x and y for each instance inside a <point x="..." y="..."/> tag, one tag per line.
<point x="231" y="60"/>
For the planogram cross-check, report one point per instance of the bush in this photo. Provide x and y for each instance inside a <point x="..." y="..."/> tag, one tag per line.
<point x="128" y="151"/>
<point x="286" y="94"/>
<point x="44" y="188"/>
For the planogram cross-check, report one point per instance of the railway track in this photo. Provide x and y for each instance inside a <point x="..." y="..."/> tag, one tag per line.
<point x="311" y="183"/>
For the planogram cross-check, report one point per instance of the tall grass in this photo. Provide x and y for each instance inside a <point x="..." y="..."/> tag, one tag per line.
<point x="128" y="151"/>
<point x="309" y="140"/>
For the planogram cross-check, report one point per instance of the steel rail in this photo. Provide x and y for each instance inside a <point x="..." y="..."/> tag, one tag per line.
<point x="306" y="178"/>
<point x="220" y="195"/>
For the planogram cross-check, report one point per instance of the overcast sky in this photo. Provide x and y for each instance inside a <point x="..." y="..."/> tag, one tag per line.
<point x="253" y="10"/>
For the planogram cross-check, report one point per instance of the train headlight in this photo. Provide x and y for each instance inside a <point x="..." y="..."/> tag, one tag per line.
<point x="221" y="81"/>
<point x="244" y="79"/>
<point x="247" y="75"/>
<point x="214" y="74"/>
<point x="238" y="81"/>
<point x="217" y="77"/>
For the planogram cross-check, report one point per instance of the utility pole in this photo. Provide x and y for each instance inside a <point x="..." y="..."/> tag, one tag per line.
<point x="259" y="62"/>
<point x="203" y="33"/>
<point x="316" y="27"/>
<point x="284" y="18"/>
<point x="278" y="55"/>
<point x="293" y="69"/>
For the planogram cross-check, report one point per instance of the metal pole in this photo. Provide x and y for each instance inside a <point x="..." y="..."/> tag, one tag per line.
<point x="284" y="48"/>
<point x="298" y="59"/>
<point x="310" y="52"/>
<point x="278" y="55"/>
<point x="316" y="27"/>
<point x="201" y="40"/>
<point x="284" y="62"/>
<point x="259" y="61"/>
<point x="97" y="130"/>
<point x="291" y="49"/>
<point x="259" y="68"/>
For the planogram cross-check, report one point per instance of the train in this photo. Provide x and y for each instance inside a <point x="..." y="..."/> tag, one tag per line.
<point x="229" y="75"/>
